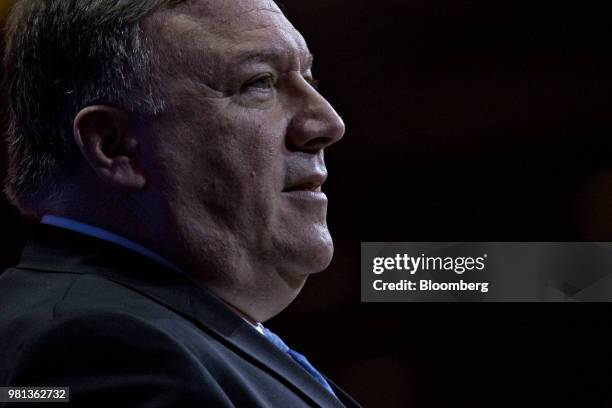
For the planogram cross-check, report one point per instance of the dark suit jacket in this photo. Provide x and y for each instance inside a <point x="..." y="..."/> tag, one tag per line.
<point x="119" y="329"/>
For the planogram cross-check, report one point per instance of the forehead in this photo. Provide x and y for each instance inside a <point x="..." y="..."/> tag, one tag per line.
<point x="230" y="26"/>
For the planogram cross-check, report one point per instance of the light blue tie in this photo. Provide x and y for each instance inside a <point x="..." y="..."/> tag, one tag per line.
<point x="300" y="359"/>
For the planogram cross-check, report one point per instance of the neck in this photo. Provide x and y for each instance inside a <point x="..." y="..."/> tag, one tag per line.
<point x="254" y="292"/>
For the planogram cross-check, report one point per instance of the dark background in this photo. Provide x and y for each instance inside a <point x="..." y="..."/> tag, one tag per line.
<point x="466" y="121"/>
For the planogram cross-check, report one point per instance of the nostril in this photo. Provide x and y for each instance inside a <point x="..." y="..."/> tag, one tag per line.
<point x="317" y="143"/>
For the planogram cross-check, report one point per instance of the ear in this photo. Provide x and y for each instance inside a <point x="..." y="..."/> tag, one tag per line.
<point x="109" y="145"/>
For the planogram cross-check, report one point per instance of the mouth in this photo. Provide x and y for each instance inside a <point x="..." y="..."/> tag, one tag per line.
<point x="307" y="190"/>
<point x="311" y="183"/>
<point x="305" y="187"/>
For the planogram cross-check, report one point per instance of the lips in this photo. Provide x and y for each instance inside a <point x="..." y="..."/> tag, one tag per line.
<point x="312" y="182"/>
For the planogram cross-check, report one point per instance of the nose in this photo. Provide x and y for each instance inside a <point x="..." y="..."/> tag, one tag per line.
<point x="315" y="125"/>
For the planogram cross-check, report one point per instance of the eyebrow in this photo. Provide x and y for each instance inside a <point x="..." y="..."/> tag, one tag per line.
<point x="265" y="55"/>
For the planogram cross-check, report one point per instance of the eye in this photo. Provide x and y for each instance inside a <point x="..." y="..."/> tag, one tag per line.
<point x="262" y="82"/>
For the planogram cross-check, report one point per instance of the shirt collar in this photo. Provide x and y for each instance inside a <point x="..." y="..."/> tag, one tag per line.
<point x="105" y="235"/>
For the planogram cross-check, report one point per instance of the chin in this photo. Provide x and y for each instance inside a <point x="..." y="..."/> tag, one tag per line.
<point x="314" y="254"/>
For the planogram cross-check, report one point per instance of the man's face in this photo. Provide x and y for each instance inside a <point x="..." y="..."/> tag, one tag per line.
<point x="239" y="152"/>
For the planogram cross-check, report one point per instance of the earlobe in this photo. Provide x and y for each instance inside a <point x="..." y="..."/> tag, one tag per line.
<point x="107" y="141"/>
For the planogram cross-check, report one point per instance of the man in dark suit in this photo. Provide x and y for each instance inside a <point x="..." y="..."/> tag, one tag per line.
<point x="173" y="153"/>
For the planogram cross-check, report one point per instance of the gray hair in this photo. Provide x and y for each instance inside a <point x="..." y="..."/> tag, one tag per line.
<point x="61" y="56"/>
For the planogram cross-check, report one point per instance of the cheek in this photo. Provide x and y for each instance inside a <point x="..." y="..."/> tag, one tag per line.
<point x="227" y="166"/>
<point x="253" y="146"/>
<point x="236" y="167"/>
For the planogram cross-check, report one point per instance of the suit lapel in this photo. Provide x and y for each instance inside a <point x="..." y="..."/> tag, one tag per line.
<point x="255" y="347"/>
